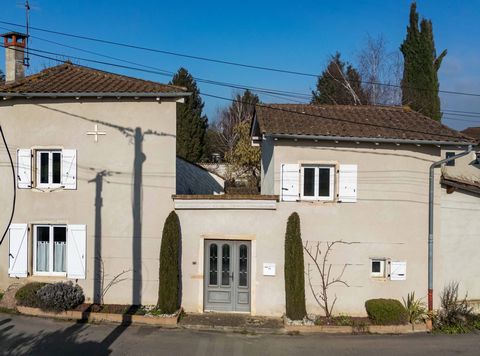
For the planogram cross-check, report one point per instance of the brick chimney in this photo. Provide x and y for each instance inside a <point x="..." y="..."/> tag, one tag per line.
<point x="14" y="43"/>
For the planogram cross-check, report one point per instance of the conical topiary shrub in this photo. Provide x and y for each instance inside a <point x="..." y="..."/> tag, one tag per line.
<point x="169" y="281"/>
<point x="294" y="270"/>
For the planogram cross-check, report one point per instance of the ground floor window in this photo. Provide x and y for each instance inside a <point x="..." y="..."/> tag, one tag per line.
<point x="50" y="249"/>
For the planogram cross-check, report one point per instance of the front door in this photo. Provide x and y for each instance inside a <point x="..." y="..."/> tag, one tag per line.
<point x="227" y="275"/>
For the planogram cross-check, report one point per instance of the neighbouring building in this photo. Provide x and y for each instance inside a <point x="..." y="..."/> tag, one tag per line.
<point x="96" y="175"/>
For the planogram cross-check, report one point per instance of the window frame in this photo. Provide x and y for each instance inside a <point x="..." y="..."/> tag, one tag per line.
<point x="50" y="250"/>
<point x="50" y="152"/>
<point x="332" y="182"/>
<point x="449" y="154"/>
<point x="383" y="264"/>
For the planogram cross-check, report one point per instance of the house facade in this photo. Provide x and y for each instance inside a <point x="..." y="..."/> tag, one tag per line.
<point x="96" y="175"/>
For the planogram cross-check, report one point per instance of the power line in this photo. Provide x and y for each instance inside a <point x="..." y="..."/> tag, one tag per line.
<point x="14" y="186"/>
<point x="219" y="61"/>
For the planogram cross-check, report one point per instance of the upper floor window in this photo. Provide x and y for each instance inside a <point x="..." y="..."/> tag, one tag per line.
<point x="49" y="171"/>
<point x="46" y="168"/>
<point x="318" y="182"/>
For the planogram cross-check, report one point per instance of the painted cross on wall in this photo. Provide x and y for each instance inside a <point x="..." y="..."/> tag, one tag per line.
<point x="96" y="133"/>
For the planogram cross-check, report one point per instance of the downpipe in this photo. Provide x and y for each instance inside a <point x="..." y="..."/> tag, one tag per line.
<point x="431" y="197"/>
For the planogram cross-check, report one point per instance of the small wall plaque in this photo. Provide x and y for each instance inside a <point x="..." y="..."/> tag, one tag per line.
<point x="269" y="269"/>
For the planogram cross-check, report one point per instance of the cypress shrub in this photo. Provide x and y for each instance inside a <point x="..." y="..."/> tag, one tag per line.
<point x="386" y="312"/>
<point x="169" y="280"/>
<point x="27" y="295"/>
<point x="294" y="270"/>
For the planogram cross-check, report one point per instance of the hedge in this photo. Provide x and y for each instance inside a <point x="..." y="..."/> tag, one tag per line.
<point x="386" y="312"/>
<point x="27" y="295"/>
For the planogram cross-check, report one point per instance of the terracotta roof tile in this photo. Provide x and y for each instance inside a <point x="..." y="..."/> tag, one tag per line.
<point x="353" y="122"/>
<point x="472" y="132"/>
<point x="70" y="78"/>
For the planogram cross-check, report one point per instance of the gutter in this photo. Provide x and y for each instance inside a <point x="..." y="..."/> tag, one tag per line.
<point x="368" y="139"/>
<point x="95" y="95"/>
<point x="431" y="196"/>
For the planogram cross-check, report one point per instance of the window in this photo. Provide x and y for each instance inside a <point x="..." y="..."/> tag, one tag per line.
<point x="377" y="268"/>
<point x="49" y="169"/>
<point x="50" y="249"/>
<point x="318" y="182"/>
<point x="448" y="155"/>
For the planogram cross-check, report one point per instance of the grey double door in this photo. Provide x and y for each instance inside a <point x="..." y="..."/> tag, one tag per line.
<point x="227" y="275"/>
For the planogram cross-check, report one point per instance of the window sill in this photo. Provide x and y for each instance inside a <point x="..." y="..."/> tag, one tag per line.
<point x="48" y="274"/>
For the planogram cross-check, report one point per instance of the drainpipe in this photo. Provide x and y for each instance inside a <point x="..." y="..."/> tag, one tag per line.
<point x="430" y="221"/>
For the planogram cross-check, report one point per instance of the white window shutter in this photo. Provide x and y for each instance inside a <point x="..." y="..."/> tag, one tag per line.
<point x="24" y="168"/>
<point x="76" y="251"/>
<point x="347" y="185"/>
<point x="398" y="271"/>
<point x="18" y="250"/>
<point x="289" y="179"/>
<point x="69" y="169"/>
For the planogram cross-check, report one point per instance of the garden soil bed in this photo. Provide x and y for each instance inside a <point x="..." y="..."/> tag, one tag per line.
<point x="122" y="314"/>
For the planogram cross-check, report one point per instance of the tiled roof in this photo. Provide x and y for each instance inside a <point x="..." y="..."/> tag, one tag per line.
<point x="472" y="132"/>
<point x="344" y="121"/>
<point x="69" y="78"/>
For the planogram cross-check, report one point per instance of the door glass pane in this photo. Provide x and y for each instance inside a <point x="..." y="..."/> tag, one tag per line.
<point x="59" y="248"/>
<point x="243" y="270"/>
<point x="44" y="167"/>
<point x="213" y="264"/>
<point x="324" y="182"/>
<point x="308" y="182"/>
<point x="56" y="159"/>
<point x="43" y="248"/>
<point x="225" y="265"/>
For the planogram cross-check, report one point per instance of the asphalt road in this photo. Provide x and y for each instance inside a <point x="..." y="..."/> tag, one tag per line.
<point x="20" y="335"/>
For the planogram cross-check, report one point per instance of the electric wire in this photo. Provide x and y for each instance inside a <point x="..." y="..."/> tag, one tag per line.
<point x="14" y="186"/>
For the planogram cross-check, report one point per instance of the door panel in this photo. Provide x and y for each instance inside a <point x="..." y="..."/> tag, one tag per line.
<point x="227" y="275"/>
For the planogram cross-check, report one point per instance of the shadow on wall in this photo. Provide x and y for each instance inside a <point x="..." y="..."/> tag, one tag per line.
<point x="67" y="340"/>
<point x="137" y="135"/>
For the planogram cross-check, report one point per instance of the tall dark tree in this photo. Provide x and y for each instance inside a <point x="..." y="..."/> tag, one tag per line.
<point x="339" y="84"/>
<point x="294" y="270"/>
<point x="420" y="79"/>
<point x="2" y="77"/>
<point x="191" y="123"/>
<point x="169" y="278"/>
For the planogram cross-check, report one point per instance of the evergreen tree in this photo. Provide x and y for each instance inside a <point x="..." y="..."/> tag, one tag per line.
<point x="420" y="79"/>
<point x="294" y="270"/>
<point x="339" y="84"/>
<point x="2" y="77"/>
<point x="191" y="123"/>
<point x="169" y="278"/>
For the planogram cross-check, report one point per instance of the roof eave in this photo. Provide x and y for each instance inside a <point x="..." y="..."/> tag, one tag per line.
<point x="96" y="95"/>
<point x="368" y="139"/>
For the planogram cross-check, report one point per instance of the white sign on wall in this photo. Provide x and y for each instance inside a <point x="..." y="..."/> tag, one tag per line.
<point x="398" y="271"/>
<point x="269" y="269"/>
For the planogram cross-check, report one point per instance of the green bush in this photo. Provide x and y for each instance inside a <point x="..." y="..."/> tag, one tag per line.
<point x="386" y="312"/>
<point x="169" y="280"/>
<point x="60" y="296"/>
<point x="294" y="270"/>
<point x="455" y="315"/>
<point x="27" y="295"/>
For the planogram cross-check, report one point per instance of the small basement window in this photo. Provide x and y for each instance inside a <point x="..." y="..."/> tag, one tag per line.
<point x="318" y="182"/>
<point x="377" y="269"/>
<point x="49" y="168"/>
<point x="448" y="155"/>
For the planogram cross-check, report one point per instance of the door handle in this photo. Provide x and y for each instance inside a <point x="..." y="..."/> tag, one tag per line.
<point x="231" y="276"/>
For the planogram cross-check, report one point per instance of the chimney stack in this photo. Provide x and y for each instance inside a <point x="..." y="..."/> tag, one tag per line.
<point x="14" y="43"/>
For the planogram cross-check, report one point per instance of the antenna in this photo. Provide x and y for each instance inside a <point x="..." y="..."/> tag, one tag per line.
<point x="26" y="59"/>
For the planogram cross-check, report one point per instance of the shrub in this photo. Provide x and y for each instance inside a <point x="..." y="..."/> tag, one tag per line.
<point x="60" y="296"/>
<point x="169" y="279"/>
<point x="386" y="312"/>
<point x="415" y="309"/>
<point x="454" y="316"/>
<point x="294" y="270"/>
<point x="27" y="295"/>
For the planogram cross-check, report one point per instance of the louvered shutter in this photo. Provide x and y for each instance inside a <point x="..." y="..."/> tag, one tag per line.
<point x="24" y="168"/>
<point x="347" y="185"/>
<point x="289" y="186"/>
<point x="69" y="169"/>
<point x="76" y="251"/>
<point x="18" y="250"/>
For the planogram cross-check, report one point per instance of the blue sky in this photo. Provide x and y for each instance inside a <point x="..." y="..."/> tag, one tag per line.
<point x="297" y="36"/>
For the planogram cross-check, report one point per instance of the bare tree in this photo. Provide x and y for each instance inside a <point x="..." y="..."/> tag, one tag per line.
<point x="324" y="269"/>
<point x="381" y="72"/>
<point x="114" y="281"/>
